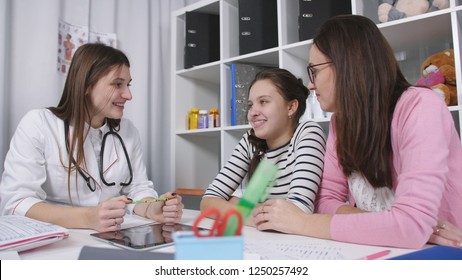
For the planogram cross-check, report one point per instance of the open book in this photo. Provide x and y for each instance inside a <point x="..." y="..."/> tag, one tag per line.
<point x="21" y="233"/>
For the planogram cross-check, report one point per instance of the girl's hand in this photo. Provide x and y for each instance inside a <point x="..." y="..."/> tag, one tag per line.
<point x="278" y="214"/>
<point x="446" y="234"/>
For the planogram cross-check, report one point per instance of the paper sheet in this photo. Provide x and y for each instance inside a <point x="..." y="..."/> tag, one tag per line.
<point x="21" y="233"/>
<point x="273" y="250"/>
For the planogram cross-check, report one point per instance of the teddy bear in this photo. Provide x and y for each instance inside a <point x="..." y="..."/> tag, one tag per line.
<point x="389" y="10"/>
<point x="438" y="72"/>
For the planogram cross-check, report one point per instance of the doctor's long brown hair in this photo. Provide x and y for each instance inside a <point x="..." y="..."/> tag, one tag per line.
<point x="368" y="86"/>
<point x="90" y="63"/>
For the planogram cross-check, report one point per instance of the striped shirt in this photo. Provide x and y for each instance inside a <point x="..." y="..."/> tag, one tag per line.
<point x="300" y="164"/>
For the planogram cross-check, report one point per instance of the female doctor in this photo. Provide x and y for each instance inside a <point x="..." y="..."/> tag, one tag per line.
<point x="79" y="165"/>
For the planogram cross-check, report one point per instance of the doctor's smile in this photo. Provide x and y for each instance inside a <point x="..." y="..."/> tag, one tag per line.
<point x="83" y="159"/>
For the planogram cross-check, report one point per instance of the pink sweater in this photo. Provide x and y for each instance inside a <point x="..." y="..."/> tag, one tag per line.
<point x="427" y="179"/>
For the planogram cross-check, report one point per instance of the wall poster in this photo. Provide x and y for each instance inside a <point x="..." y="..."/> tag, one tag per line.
<point x="71" y="37"/>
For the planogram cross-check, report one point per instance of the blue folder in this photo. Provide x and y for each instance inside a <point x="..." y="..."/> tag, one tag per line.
<point x="433" y="253"/>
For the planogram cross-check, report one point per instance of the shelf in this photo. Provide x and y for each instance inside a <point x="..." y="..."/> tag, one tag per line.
<point x="237" y="127"/>
<point x="266" y="57"/>
<point x="198" y="155"/>
<point x="424" y="30"/>
<point x="209" y="73"/>
<point x="205" y="132"/>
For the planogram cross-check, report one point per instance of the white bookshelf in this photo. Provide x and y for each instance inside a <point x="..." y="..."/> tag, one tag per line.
<point x="198" y="155"/>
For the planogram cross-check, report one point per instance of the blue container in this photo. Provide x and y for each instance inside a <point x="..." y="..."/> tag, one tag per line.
<point x="190" y="247"/>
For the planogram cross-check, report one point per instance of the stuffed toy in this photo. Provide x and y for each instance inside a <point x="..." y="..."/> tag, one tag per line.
<point x="389" y="10"/>
<point x="438" y="73"/>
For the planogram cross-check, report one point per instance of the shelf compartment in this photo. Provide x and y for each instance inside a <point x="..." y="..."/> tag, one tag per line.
<point x="179" y="28"/>
<point x="196" y="161"/>
<point x="296" y="58"/>
<point x="196" y="88"/>
<point x="416" y="39"/>
<point x="231" y="138"/>
<point x="370" y="9"/>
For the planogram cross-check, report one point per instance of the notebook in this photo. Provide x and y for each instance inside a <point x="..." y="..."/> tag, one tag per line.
<point x="20" y="233"/>
<point x="433" y="253"/>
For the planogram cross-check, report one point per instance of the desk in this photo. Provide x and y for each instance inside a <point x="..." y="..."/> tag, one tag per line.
<point x="69" y="249"/>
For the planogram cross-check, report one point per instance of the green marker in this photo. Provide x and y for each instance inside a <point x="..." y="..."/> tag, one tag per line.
<point x="257" y="190"/>
<point x="147" y="200"/>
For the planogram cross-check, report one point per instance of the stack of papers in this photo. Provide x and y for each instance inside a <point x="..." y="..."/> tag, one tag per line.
<point x="275" y="250"/>
<point x="20" y="233"/>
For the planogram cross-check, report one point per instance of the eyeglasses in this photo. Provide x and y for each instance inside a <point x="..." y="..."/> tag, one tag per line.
<point x="312" y="72"/>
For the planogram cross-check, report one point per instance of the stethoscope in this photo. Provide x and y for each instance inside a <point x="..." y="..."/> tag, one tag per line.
<point x="101" y="154"/>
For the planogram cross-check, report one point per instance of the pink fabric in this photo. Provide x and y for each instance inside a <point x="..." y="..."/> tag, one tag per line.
<point x="434" y="78"/>
<point x="427" y="178"/>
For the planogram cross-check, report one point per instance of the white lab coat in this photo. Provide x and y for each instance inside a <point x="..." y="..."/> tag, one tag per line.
<point x="34" y="169"/>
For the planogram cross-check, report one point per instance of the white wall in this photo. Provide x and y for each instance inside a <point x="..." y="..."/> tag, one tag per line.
<point x="28" y="59"/>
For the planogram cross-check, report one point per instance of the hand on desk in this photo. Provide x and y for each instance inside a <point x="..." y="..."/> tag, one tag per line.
<point x="446" y="234"/>
<point x="109" y="214"/>
<point x="169" y="211"/>
<point x="278" y="214"/>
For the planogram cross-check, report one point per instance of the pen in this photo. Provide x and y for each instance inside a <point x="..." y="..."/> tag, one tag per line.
<point x="375" y="255"/>
<point x="151" y="200"/>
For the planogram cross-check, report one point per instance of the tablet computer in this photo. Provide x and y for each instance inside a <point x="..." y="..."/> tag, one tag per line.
<point x="144" y="237"/>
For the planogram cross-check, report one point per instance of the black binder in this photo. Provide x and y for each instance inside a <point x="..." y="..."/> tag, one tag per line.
<point x="258" y="25"/>
<point x="313" y="13"/>
<point x="242" y="75"/>
<point x="202" y="44"/>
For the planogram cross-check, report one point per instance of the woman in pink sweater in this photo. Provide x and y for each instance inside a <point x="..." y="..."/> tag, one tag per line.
<point x="393" y="166"/>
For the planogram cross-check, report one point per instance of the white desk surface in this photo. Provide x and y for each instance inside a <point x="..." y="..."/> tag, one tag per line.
<point x="69" y="249"/>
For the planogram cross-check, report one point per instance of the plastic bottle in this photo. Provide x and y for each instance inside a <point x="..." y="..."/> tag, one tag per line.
<point x="214" y="118"/>
<point x="194" y="118"/>
<point x="308" y="115"/>
<point x="257" y="190"/>
<point x="315" y="106"/>
<point x="203" y="119"/>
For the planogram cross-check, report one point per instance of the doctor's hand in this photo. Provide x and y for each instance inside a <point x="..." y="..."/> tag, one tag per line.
<point x="446" y="234"/>
<point x="168" y="212"/>
<point x="109" y="214"/>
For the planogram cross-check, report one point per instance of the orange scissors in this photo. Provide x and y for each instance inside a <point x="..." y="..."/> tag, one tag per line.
<point x="225" y="225"/>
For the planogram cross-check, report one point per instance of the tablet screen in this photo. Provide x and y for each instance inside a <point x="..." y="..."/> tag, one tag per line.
<point x="144" y="237"/>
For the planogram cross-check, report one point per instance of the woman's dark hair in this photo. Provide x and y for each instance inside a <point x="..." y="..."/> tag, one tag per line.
<point x="290" y="88"/>
<point x="90" y="63"/>
<point x="368" y="85"/>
